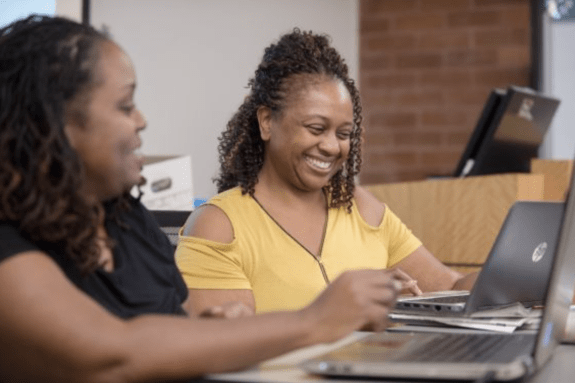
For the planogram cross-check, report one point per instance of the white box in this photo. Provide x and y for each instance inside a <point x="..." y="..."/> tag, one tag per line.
<point x="168" y="183"/>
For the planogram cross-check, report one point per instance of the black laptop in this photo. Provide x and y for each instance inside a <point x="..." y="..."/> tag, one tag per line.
<point x="517" y="269"/>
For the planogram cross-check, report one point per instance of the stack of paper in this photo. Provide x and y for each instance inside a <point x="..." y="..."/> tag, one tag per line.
<point x="506" y="319"/>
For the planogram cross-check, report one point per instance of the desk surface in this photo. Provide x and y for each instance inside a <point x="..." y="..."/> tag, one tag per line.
<point x="561" y="367"/>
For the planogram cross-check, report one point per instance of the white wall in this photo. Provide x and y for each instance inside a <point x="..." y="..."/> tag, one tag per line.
<point x="559" y="81"/>
<point x="194" y="58"/>
<point x="71" y="9"/>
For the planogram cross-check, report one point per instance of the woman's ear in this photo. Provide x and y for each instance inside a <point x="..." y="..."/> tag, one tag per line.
<point x="71" y="133"/>
<point x="264" y="121"/>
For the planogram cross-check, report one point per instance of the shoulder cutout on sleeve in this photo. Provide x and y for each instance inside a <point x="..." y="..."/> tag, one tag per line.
<point x="211" y="223"/>
<point x="369" y="207"/>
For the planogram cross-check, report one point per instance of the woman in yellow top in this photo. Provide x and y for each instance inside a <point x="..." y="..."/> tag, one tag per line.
<point x="289" y="218"/>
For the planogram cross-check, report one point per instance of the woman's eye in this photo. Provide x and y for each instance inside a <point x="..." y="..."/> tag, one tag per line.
<point x="344" y="135"/>
<point x="127" y="108"/>
<point x="315" y="129"/>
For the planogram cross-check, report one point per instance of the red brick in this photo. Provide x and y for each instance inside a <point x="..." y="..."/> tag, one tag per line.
<point x="393" y="119"/>
<point x="418" y="139"/>
<point x="439" y="158"/>
<point x="458" y="138"/>
<point x="514" y="56"/>
<point x="390" y="81"/>
<point x="418" y="60"/>
<point x="378" y="139"/>
<point x="501" y="37"/>
<point x="473" y="19"/>
<point x="381" y="99"/>
<point x="395" y="158"/>
<point x="399" y="103"/>
<point x="437" y="170"/>
<point x="471" y="57"/>
<point x="443" y="118"/>
<point x="368" y="7"/>
<point x="502" y="77"/>
<point x="431" y="40"/>
<point x="445" y="78"/>
<point x="379" y="174"/>
<point x="432" y="5"/>
<point x="466" y="96"/>
<point x="373" y="25"/>
<point x="490" y="3"/>
<point x="388" y="42"/>
<point x="516" y="17"/>
<point x="374" y="63"/>
<point x="420" y="21"/>
<point x="420" y="98"/>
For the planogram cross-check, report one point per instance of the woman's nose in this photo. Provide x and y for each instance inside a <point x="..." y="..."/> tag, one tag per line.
<point x="142" y="121"/>
<point x="329" y="144"/>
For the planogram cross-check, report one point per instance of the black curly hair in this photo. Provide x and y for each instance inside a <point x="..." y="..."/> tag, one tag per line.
<point x="47" y="64"/>
<point x="241" y="149"/>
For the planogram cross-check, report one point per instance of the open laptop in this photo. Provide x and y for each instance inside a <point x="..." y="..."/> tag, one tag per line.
<point x="517" y="269"/>
<point x="466" y="356"/>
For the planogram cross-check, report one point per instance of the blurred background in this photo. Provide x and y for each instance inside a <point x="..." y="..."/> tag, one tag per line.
<point x="424" y="68"/>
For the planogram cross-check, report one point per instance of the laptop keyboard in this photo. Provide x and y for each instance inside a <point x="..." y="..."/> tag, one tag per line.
<point x="456" y="348"/>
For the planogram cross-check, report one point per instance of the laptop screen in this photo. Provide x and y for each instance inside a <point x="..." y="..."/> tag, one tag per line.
<point x="508" y="133"/>
<point x="561" y="286"/>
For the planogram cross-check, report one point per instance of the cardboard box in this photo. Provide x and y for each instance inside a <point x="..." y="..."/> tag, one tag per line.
<point x="169" y="183"/>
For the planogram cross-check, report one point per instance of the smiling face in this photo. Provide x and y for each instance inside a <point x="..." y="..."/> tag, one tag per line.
<point x="106" y="137"/>
<point x="309" y="140"/>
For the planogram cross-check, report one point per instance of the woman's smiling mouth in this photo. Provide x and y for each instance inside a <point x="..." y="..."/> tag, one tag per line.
<point x="323" y="165"/>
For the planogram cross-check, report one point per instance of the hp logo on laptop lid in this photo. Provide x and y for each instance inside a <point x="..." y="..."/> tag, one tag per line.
<point x="539" y="252"/>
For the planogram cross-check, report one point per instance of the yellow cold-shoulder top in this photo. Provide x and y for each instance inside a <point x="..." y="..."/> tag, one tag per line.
<point x="282" y="274"/>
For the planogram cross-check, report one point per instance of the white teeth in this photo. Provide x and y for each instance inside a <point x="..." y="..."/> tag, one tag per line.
<point x="318" y="163"/>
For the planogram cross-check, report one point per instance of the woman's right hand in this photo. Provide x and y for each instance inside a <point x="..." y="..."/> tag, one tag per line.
<point x="356" y="299"/>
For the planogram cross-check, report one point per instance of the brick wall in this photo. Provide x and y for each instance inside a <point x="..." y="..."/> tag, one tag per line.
<point x="426" y="68"/>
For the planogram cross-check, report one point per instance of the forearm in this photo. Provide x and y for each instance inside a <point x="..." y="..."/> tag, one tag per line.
<point x="174" y="349"/>
<point x="50" y="331"/>
<point x="466" y="282"/>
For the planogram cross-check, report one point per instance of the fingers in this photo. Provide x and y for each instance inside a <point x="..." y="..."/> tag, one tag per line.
<point x="409" y="285"/>
<point x="381" y="289"/>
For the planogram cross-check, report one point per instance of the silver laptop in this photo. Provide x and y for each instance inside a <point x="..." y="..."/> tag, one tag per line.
<point x="466" y="356"/>
<point x="517" y="269"/>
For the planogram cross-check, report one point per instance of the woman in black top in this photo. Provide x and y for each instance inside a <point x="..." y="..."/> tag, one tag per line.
<point x="84" y="268"/>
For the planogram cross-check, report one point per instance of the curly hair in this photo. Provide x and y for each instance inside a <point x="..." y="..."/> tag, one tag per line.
<point x="47" y="64"/>
<point x="241" y="149"/>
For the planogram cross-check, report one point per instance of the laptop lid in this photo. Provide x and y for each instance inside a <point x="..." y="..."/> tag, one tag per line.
<point x="376" y="355"/>
<point x="517" y="269"/>
<point x="519" y="266"/>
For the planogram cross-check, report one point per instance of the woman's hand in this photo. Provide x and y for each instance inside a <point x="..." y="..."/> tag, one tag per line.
<point x="408" y="284"/>
<point x="356" y="299"/>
